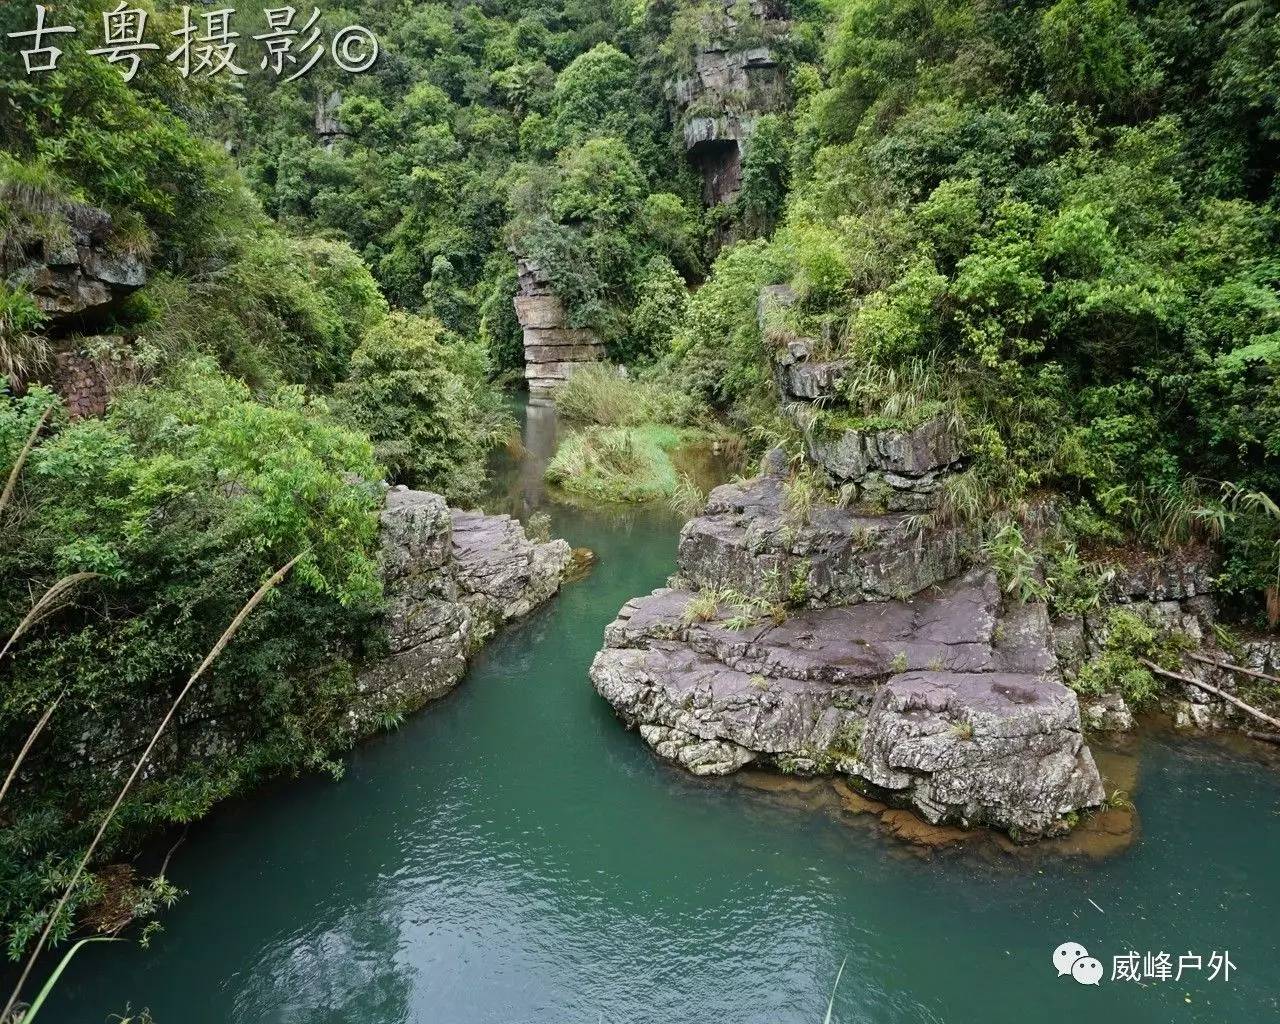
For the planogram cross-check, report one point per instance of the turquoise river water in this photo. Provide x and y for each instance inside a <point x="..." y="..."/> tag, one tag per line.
<point x="514" y="855"/>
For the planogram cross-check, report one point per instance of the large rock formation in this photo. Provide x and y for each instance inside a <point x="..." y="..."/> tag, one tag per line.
<point x="451" y="578"/>
<point x="945" y="700"/>
<point x="552" y="349"/>
<point x="750" y="540"/>
<point x="818" y="636"/>
<point x="77" y="270"/>
<point x="735" y="77"/>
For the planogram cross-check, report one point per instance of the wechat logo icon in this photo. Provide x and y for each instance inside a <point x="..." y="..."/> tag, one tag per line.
<point x="1073" y="959"/>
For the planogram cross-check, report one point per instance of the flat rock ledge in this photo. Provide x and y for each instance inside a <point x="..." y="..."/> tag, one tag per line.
<point x="451" y="579"/>
<point x="946" y="701"/>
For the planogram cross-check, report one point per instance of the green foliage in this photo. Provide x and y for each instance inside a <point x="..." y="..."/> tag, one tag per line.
<point x="600" y="184"/>
<point x="675" y="230"/>
<point x="1092" y="49"/>
<point x="661" y="304"/>
<point x="766" y="168"/>
<point x="1016" y="566"/>
<point x="281" y="310"/>
<point x="1068" y="211"/>
<point x="422" y="395"/>
<point x="1116" y="668"/>
<point x="428" y="179"/>
<point x="596" y="95"/>
<point x="183" y="499"/>
<point x="631" y="464"/>
<point x="22" y="349"/>
<point x="122" y="146"/>
<point x="608" y="246"/>
<point x="718" y="349"/>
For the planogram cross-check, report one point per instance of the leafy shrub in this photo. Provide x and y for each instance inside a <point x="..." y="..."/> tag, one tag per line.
<point x="661" y="304"/>
<point x="1117" y="668"/>
<point x="22" y="349"/>
<point x="718" y="349"/>
<point x="279" y="311"/>
<point x="432" y="417"/>
<point x="184" y="498"/>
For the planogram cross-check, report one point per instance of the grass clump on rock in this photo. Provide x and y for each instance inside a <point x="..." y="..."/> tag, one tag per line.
<point x="631" y="464"/>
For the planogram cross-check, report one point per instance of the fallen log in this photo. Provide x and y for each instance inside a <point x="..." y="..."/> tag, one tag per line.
<point x="1266" y="737"/>
<point x="1209" y="688"/>
<point x="1235" y="668"/>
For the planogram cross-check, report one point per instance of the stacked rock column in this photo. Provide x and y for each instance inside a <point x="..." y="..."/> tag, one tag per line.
<point x="553" y="350"/>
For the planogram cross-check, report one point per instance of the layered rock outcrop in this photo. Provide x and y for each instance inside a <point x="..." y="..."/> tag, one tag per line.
<point x="853" y="637"/>
<point x="451" y="578"/>
<point x="945" y="700"/>
<point x="553" y="350"/>
<point x="78" y="270"/>
<point x="749" y="538"/>
<point x="734" y="78"/>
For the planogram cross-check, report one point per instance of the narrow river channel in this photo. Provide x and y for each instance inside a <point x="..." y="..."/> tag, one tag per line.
<point x="514" y="855"/>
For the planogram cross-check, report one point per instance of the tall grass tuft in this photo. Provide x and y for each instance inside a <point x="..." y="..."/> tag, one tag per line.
<point x="23" y="350"/>
<point x="617" y="463"/>
<point x="599" y="394"/>
<point x="907" y="394"/>
<point x="36" y="1004"/>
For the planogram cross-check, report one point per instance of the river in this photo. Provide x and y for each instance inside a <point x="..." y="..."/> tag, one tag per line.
<point x="514" y="855"/>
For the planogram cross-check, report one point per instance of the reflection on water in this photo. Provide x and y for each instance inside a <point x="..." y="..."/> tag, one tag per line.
<point x="515" y="855"/>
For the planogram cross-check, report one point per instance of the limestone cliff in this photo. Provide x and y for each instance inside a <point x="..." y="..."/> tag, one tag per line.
<point x="78" y="269"/>
<point x="734" y="76"/>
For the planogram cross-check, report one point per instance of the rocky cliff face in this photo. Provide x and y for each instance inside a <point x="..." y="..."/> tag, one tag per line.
<point x="451" y="578"/>
<point x="76" y="273"/>
<point x="750" y="540"/>
<point x="735" y="77"/>
<point x="552" y="349"/>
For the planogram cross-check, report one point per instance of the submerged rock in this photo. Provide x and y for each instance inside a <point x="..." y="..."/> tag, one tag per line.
<point x="450" y="578"/>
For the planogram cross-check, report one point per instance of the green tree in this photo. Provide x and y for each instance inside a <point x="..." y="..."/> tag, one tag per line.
<point x="429" y="422"/>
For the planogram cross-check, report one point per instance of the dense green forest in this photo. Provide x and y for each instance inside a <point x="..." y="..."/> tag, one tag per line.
<point x="1057" y="221"/>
